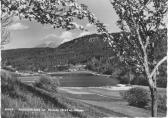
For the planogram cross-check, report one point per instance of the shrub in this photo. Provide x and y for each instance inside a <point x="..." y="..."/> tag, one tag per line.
<point x="9" y="82"/>
<point x="62" y="68"/>
<point x="47" y="83"/>
<point x="162" y="102"/>
<point x="108" y="72"/>
<point x="123" y="79"/>
<point x="140" y="80"/>
<point x="89" y="66"/>
<point x="137" y="97"/>
<point x="162" y="82"/>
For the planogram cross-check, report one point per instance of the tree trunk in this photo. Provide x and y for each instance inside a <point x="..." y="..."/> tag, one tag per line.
<point x="153" y="90"/>
<point x="154" y="102"/>
<point x="131" y="76"/>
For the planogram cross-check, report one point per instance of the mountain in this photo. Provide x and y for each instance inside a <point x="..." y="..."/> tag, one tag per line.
<point x="75" y="51"/>
<point x="79" y="50"/>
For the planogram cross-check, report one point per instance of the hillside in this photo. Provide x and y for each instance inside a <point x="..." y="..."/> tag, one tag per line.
<point x="77" y="51"/>
<point x="20" y="100"/>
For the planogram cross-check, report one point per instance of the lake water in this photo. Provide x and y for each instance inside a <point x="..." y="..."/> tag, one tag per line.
<point x="84" y="80"/>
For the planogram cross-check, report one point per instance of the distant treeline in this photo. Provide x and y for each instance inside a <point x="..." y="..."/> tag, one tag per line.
<point x="112" y="66"/>
<point x="48" y="59"/>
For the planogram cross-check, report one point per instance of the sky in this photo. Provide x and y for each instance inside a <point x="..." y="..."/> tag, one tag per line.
<point x="26" y="34"/>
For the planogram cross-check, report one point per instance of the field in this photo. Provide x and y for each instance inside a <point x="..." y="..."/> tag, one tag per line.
<point x="18" y="96"/>
<point x="108" y="99"/>
<point x="99" y="92"/>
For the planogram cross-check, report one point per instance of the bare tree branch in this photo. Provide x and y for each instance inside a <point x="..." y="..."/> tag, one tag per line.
<point x="147" y="42"/>
<point x="30" y="2"/>
<point x="158" y="64"/>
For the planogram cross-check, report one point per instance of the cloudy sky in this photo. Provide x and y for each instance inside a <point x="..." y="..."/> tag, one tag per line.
<point x="26" y="34"/>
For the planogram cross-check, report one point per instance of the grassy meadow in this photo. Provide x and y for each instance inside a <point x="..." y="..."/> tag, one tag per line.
<point x="18" y="95"/>
<point x="77" y="91"/>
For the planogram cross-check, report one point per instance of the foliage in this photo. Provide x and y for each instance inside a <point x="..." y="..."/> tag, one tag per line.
<point x="19" y="95"/>
<point x="59" y="13"/>
<point x="137" y="96"/>
<point x="162" y="82"/>
<point x="140" y="79"/>
<point x="47" y="83"/>
<point x="75" y="51"/>
<point x="7" y="80"/>
<point x="162" y="103"/>
<point x="123" y="79"/>
<point x="107" y="65"/>
<point x="162" y="77"/>
<point x="162" y="99"/>
<point x="5" y="22"/>
<point x="143" y="19"/>
<point x="138" y="17"/>
<point x="9" y="68"/>
<point x="62" y="68"/>
<point x="121" y="73"/>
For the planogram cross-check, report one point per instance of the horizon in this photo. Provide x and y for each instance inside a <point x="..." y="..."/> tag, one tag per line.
<point x="56" y="46"/>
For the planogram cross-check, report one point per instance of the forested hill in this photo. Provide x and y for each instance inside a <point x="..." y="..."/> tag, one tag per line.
<point x="76" y="51"/>
<point x="79" y="50"/>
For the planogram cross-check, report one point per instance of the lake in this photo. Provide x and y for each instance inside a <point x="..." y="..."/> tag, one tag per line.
<point x="84" y="80"/>
<point x="76" y="79"/>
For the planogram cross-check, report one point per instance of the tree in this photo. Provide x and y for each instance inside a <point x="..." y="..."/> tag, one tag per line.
<point x="5" y="22"/>
<point x="142" y="23"/>
<point x="58" y="13"/>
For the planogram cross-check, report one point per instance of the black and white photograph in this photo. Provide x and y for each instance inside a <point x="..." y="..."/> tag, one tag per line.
<point x="83" y="58"/>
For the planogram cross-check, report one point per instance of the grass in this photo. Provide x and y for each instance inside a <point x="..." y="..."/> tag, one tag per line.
<point x="16" y="94"/>
<point x="162" y="99"/>
<point x="94" y="105"/>
<point x="110" y="102"/>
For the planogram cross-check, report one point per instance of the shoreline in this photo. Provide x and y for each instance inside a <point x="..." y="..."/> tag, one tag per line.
<point x="75" y="72"/>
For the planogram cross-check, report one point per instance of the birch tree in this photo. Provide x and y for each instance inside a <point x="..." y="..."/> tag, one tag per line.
<point x="143" y="26"/>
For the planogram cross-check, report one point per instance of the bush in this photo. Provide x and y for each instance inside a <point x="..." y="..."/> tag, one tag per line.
<point x="108" y="72"/>
<point x="137" y="97"/>
<point x="89" y="67"/>
<point x="140" y="80"/>
<point x="62" y="68"/>
<point x="9" y="82"/>
<point x="162" y="102"/>
<point x="47" y="83"/>
<point x="124" y="79"/>
<point x="162" y="82"/>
